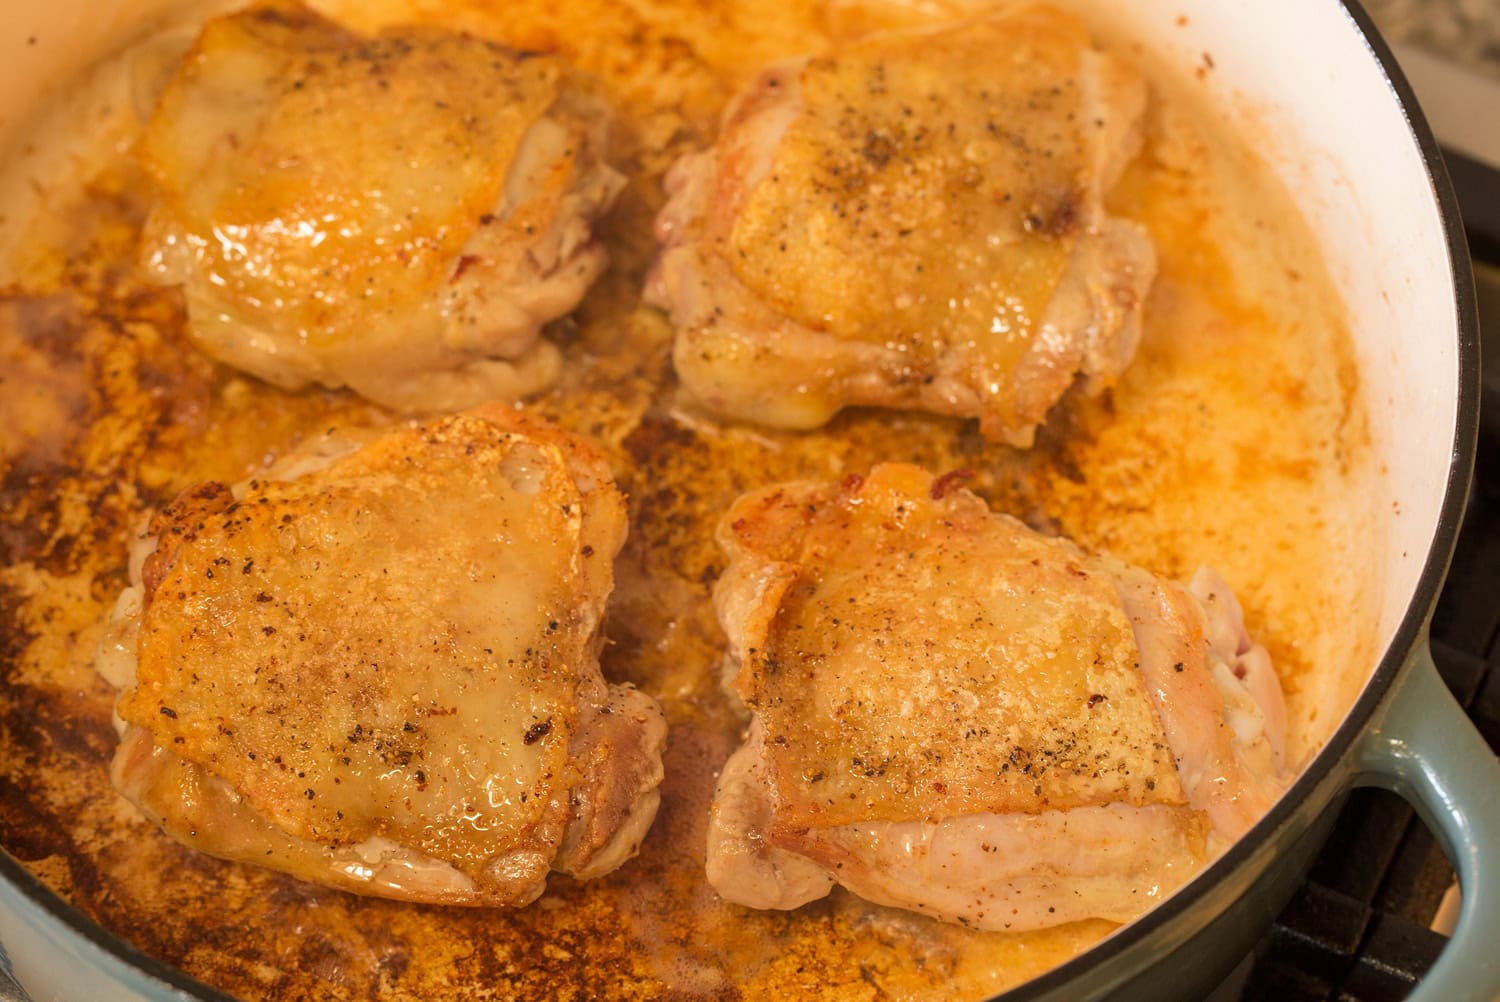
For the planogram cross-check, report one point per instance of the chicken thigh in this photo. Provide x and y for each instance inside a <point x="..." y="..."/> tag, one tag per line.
<point x="398" y="214"/>
<point x="957" y="715"/>
<point x="376" y="668"/>
<point x="912" y="220"/>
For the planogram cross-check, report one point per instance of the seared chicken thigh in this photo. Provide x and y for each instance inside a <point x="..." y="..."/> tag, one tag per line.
<point x="912" y="220"/>
<point x="398" y="214"/>
<point x="957" y="715"/>
<point x="377" y="667"/>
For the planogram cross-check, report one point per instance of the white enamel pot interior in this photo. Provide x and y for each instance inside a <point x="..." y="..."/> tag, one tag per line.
<point x="1350" y="145"/>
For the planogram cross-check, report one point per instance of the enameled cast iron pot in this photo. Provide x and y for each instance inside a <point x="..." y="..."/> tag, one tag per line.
<point x="1333" y="115"/>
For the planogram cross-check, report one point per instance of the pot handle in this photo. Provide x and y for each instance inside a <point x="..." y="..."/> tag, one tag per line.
<point x="1427" y="751"/>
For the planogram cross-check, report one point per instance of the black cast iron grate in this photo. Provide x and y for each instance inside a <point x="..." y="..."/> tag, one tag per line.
<point x="1359" y="929"/>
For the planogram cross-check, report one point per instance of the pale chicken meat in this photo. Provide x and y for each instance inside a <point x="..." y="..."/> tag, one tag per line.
<point x="399" y="214"/>
<point x="960" y="716"/>
<point x="911" y="220"/>
<point x="376" y="667"/>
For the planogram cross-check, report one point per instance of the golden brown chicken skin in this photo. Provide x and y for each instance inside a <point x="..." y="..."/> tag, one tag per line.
<point x="911" y="220"/>
<point x="400" y="214"/>
<point x="958" y="715"/>
<point x="377" y="667"/>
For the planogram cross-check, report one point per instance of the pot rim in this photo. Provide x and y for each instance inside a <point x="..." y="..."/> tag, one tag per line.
<point x="1412" y="628"/>
<point x="1408" y="635"/>
<point x="114" y="946"/>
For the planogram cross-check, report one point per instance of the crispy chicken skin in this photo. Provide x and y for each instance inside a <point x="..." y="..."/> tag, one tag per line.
<point x="957" y="715"/>
<point x="398" y="214"/>
<point x="911" y="220"/>
<point x="376" y="668"/>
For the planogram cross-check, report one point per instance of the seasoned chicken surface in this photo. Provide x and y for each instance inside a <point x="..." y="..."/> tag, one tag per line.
<point x="912" y="220"/>
<point x="398" y="214"/>
<point x="377" y="667"/>
<point x="955" y="714"/>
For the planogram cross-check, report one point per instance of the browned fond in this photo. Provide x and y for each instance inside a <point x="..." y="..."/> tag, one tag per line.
<point x="1229" y="441"/>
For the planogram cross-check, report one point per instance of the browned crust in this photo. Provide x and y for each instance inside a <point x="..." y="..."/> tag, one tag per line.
<point x="912" y="655"/>
<point x="245" y="668"/>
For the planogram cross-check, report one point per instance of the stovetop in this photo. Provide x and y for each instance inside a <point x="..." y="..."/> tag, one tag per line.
<point x="1360" y="928"/>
